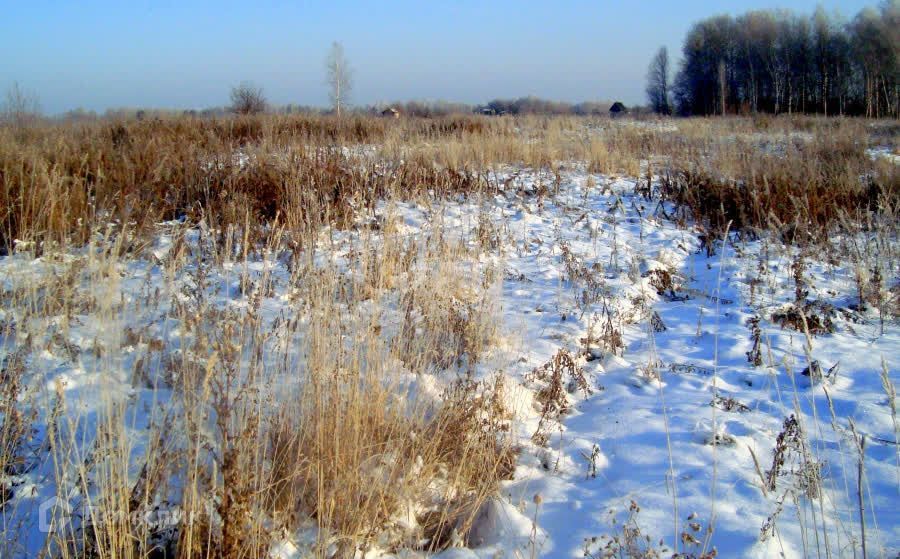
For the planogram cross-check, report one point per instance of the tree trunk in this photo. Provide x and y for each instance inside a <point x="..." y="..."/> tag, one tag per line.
<point x="722" y="85"/>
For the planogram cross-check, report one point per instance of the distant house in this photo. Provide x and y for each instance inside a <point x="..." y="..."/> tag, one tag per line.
<point x="618" y="109"/>
<point x="390" y="112"/>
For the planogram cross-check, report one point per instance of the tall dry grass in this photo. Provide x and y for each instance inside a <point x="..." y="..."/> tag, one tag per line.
<point x="267" y="427"/>
<point x="319" y="420"/>
<point x="59" y="181"/>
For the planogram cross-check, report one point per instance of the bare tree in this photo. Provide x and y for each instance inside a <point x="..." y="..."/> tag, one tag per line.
<point x="247" y="99"/>
<point x="658" y="82"/>
<point x="876" y="45"/>
<point x="723" y="98"/>
<point x="21" y="107"/>
<point x="339" y="77"/>
<point x="778" y="61"/>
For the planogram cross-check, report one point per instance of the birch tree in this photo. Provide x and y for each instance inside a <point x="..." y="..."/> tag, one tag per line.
<point x="778" y="61"/>
<point x="339" y="77"/>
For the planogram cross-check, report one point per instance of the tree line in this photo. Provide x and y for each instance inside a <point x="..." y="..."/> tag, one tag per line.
<point x="536" y="105"/>
<point x="778" y="62"/>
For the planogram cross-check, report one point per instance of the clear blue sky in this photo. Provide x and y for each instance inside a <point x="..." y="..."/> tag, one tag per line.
<point x="186" y="54"/>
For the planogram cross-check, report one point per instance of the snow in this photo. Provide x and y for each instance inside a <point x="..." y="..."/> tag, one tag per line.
<point x="884" y="152"/>
<point x="647" y="434"/>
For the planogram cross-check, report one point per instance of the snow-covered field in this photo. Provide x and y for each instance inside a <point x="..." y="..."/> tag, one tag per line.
<point x="678" y="382"/>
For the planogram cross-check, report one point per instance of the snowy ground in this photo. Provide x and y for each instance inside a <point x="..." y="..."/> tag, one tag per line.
<point x="649" y="426"/>
<point x="885" y="152"/>
<point x="672" y="416"/>
<point x="654" y="436"/>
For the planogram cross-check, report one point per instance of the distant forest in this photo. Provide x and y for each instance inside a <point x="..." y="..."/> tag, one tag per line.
<point x="780" y="62"/>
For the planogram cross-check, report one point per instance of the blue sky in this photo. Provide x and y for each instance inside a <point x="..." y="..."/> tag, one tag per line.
<point x="187" y="54"/>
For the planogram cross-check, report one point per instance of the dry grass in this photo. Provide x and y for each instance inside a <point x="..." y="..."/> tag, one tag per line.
<point x="59" y="181"/>
<point x="348" y="448"/>
<point x="253" y="438"/>
<point x="800" y="192"/>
